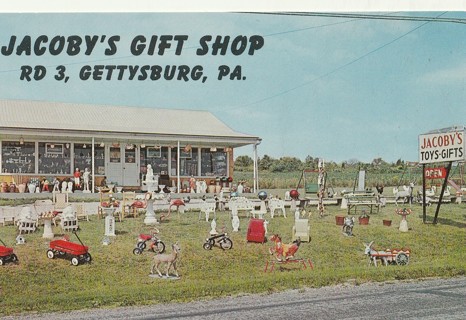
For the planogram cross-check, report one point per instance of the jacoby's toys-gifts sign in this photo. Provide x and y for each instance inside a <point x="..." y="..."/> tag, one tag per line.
<point x="440" y="147"/>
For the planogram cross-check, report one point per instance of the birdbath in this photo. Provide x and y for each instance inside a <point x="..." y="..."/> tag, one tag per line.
<point x="404" y="223"/>
<point x="48" y="231"/>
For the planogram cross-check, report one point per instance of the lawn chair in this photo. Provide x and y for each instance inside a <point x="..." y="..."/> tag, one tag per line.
<point x="81" y="211"/>
<point x="302" y="230"/>
<point x="275" y="204"/>
<point x="127" y="204"/>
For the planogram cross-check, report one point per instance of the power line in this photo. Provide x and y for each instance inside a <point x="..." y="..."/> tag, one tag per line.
<point x="340" y="67"/>
<point x="364" y="16"/>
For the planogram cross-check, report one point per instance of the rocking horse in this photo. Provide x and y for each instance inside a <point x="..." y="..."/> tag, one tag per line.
<point x="284" y="252"/>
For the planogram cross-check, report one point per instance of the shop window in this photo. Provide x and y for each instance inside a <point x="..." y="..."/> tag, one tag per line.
<point x="157" y="157"/>
<point x="115" y="154"/>
<point x="214" y="163"/>
<point x="18" y="158"/>
<point x="54" y="158"/>
<point x="83" y="158"/>
<point x="188" y="162"/>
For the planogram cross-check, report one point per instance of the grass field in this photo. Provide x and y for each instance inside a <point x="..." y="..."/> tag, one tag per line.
<point x="116" y="277"/>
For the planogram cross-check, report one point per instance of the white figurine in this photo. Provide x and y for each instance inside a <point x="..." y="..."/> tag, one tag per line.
<point x="213" y="226"/>
<point x="86" y="175"/>
<point x="150" y="173"/>
<point x="235" y="223"/>
<point x="64" y="185"/>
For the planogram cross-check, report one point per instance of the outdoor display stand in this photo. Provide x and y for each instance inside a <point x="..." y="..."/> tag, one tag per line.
<point x="256" y="231"/>
<point x="109" y="221"/>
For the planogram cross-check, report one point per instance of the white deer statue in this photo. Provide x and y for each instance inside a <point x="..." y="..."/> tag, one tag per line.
<point x="406" y="194"/>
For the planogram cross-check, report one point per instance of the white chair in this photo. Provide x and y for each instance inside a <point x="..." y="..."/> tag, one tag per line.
<point x="69" y="220"/>
<point x="275" y="204"/>
<point x="207" y="208"/>
<point x="302" y="230"/>
<point x="8" y="214"/>
<point x="28" y="220"/>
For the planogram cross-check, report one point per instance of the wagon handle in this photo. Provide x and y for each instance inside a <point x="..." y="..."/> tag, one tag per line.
<point x="74" y="231"/>
<point x="2" y="242"/>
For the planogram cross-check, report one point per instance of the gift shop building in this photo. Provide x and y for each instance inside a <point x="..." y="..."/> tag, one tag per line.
<point x="54" y="140"/>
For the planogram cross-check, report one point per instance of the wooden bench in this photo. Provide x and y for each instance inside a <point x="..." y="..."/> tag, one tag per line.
<point x="354" y="201"/>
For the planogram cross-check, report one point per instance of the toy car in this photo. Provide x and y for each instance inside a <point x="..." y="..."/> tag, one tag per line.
<point x="6" y="254"/>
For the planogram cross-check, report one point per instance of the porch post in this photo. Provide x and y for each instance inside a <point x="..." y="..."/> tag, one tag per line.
<point x="92" y="165"/>
<point x="178" y="183"/>
<point x="255" y="174"/>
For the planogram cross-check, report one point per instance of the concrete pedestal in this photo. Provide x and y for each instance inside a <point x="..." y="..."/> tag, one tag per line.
<point x="109" y="222"/>
<point x="150" y="218"/>
<point x="48" y="232"/>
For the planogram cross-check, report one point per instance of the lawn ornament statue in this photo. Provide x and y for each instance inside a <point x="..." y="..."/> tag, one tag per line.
<point x="283" y="251"/>
<point x="168" y="259"/>
<point x="406" y="194"/>
<point x="348" y="225"/>
<point x="387" y="256"/>
<point x="403" y="223"/>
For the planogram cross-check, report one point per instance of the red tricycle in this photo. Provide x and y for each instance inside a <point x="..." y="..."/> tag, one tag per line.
<point x="78" y="253"/>
<point x="6" y="254"/>
<point x="156" y="245"/>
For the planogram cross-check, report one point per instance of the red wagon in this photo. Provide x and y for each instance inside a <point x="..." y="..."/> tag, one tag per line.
<point x="77" y="253"/>
<point x="6" y="254"/>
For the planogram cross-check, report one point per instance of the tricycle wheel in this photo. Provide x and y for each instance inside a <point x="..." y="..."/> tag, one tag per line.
<point x="137" y="251"/>
<point x="402" y="259"/>
<point x="207" y="246"/>
<point x="141" y="245"/>
<point x="226" y="243"/>
<point x="74" y="261"/>
<point x="1" y="261"/>
<point x="88" y="257"/>
<point x="14" y="257"/>
<point x="160" y="247"/>
<point x="50" y="254"/>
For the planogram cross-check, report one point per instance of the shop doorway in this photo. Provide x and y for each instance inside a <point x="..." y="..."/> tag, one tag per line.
<point x="122" y="166"/>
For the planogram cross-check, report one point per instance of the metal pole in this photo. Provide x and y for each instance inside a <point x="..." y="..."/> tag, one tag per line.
<point x="92" y="165"/>
<point x="254" y="158"/>
<point x="441" y="192"/>
<point x="424" y="207"/>
<point x="178" y="184"/>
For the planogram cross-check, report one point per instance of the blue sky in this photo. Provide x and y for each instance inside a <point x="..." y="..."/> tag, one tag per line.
<point x="337" y="88"/>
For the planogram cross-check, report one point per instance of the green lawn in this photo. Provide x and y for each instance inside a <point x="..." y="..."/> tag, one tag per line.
<point x="116" y="277"/>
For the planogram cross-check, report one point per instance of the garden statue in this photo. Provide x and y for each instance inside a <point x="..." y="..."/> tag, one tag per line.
<point x="348" y="226"/>
<point x="150" y="173"/>
<point x="265" y="226"/>
<point x="64" y="185"/>
<point x="235" y="223"/>
<point x="86" y="175"/>
<point x="77" y="179"/>
<point x="70" y="186"/>
<point x="169" y="259"/>
<point x="192" y="184"/>
<point x="213" y="226"/>
<point x="404" y="223"/>
<point x="240" y="188"/>
<point x="151" y="181"/>
<point x="56" y="185"/>
<point x="296" y="214"/>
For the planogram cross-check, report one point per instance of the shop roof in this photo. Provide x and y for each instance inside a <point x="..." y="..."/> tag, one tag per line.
<point x="84" y="118"/>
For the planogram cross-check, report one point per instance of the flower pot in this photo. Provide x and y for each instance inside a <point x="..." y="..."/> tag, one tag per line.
<point x="387" y="223"/>
<point x="339" y="220"/>
<point x="364" y="220"/>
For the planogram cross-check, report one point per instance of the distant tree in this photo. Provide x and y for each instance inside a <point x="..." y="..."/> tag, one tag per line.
<point x="286" y="164"/>
<point x="243" y="161"/>
<point x="265" y="162"/>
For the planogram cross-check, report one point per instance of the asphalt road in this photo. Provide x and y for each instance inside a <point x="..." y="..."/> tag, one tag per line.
<point x="428" y="299"/>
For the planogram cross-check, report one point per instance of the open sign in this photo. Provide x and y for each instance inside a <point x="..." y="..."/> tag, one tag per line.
<point x="435" y="173"/>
